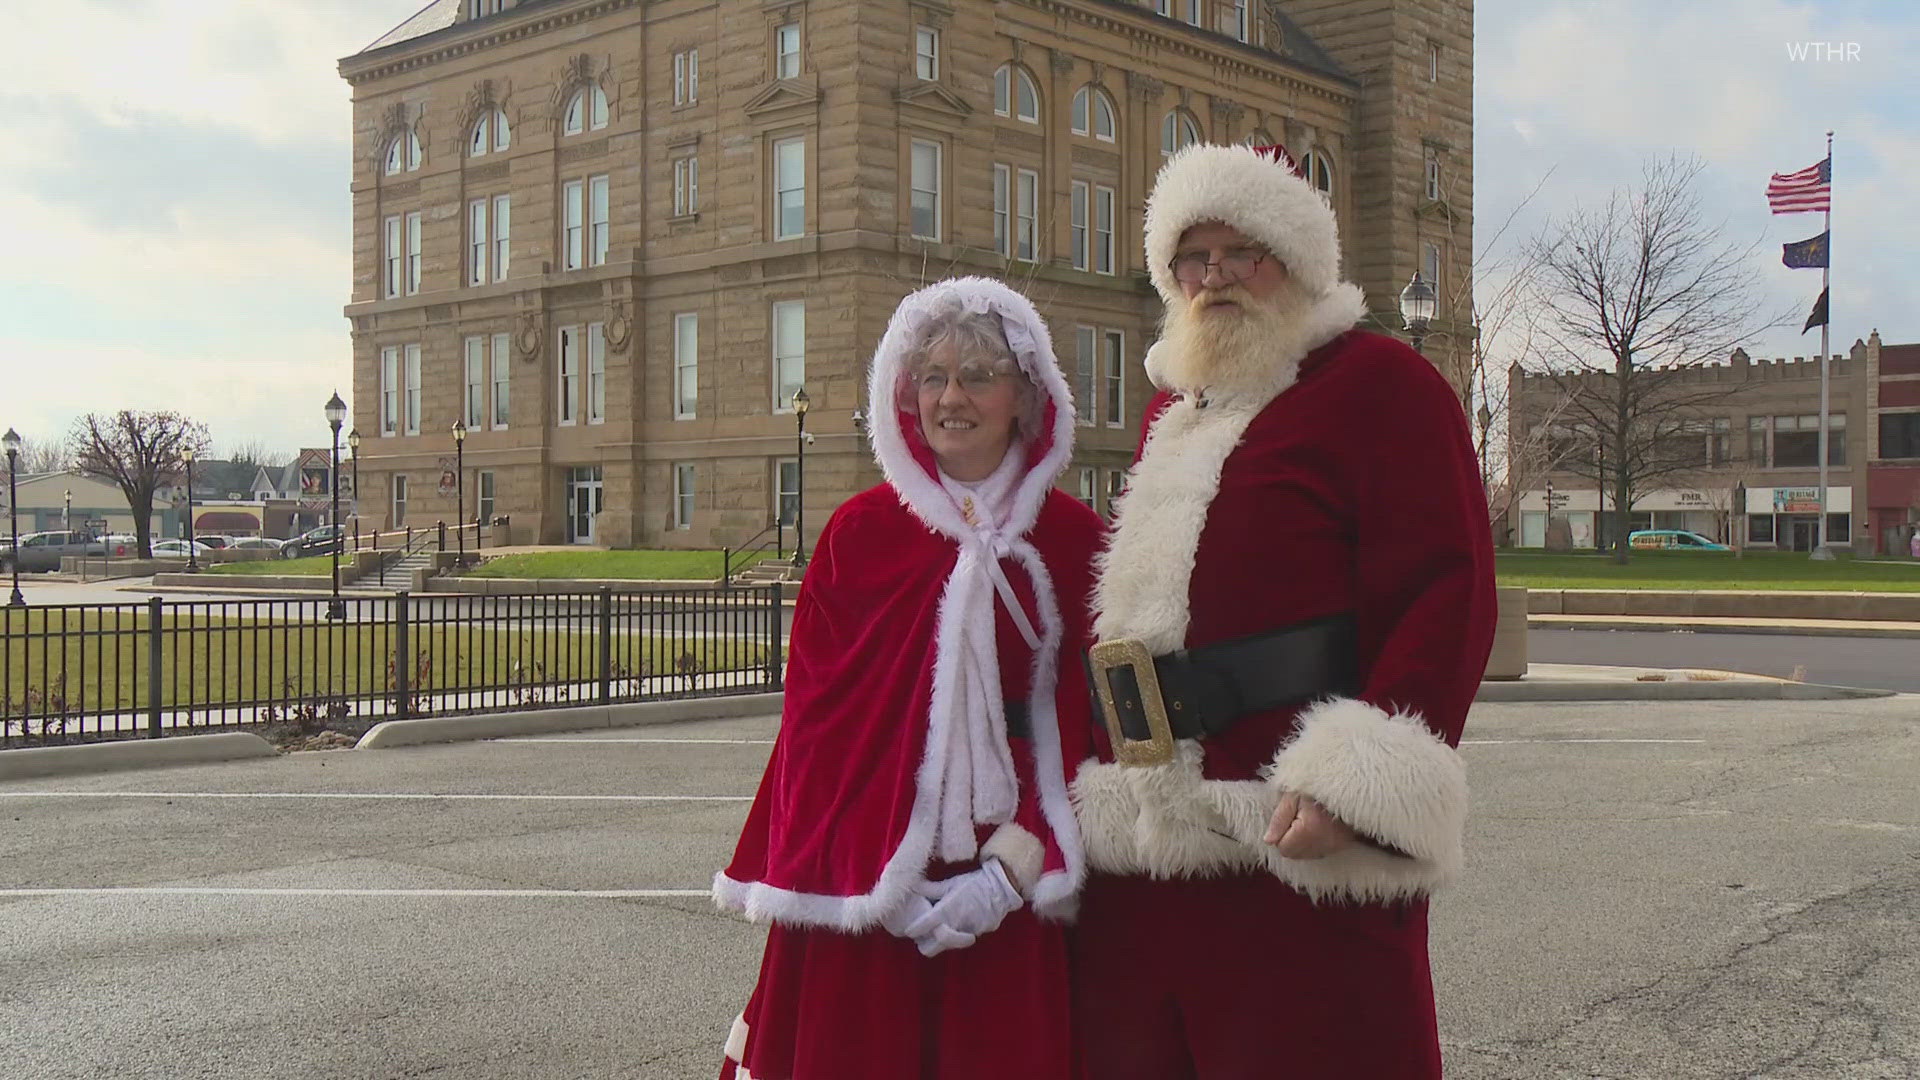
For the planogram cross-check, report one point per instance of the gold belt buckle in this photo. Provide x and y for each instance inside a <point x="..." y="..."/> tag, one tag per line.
<point x="1157" y="748"/>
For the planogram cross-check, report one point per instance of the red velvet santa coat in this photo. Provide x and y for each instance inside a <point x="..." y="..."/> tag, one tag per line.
<point x="855" y="807"/>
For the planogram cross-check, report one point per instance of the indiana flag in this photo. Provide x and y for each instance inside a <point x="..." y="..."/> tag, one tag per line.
<point x="1809" y="189"/>
<point x="1809" y="252"/>
<point x="1819" y="316"/>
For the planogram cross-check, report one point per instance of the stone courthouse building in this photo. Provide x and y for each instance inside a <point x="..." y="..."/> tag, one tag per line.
<point x="613" y="237"/>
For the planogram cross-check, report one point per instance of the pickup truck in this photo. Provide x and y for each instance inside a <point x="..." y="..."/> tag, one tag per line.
<point x="43" y="550"/>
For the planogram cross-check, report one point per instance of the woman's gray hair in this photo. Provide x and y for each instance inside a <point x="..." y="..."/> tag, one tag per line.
<point x="976" y="335"/>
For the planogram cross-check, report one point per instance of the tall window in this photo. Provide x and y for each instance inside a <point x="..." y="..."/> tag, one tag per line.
<point x="1102" y="229"/>
<point x="596" y="373"/>
<point x="925" y="197"/>
<point x="1093" y="113"/>
<point x="490" y="133"/>
<point x="786" y="52"/>
<point x="787" y="489"/>
<point x="926" y="52"/>
<point x="1433" y="176"/>
<point x="789" y="188"/>
<point x="1433" y="61"/>
<point x="586" y="110"/>
<point x="483" y="483"/>
<point x="1234" y="20"/>
<point x="1001" y="177"/>
<point x="399" y="500"/>
<point x="1026" y="215"/>
<point x="477" y="8"/>
<point x="569" y="374"/>
<point x="1079" y="233"/>
<point x="686" y="365"/>
<point x="1114" y="357"/>
<point x="413" y="389"/>
<point x="686" y="186"/>
<point x="413" y="253"/>
<point x="476" y="383"/>
<point x="477" y="246"/>
<point x="1192" y="11"/>
<point x="393" y="255"/>
<point x="1086" y="361"/>
<point x="390" y="390"/>
<point x="601" y="220"/>
<point x="1015" y="95"/>
<point x="1083" y="487"/>
<point x="1177" y="132"/>
<point x="686" y="77"/>
<point x="1757" y="441"/>
<point x="502" y="361"/>
<point x="789" y="352"/>
<point x="1430" y="265"/>
<point x="1319" y="169"/>
<point x="683" y="490"/>
<point x="1899" y="435"/>
<point x="502" y="227"/>
<point x="573" y="224"/>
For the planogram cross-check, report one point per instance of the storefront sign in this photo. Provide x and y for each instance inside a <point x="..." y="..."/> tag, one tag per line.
<point x="1788" y="500"/>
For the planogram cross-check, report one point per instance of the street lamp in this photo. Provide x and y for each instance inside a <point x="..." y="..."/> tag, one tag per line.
<point x="66" y="509"/>
<point x="800" y="401"/>
<point x="353" y="444"/>
<point x="12" y="442"/>
<point x="336" y="415"/>
<point x="1417" y="303"/>
<point x="460" y="488"/>
<point x="193" y="564"/>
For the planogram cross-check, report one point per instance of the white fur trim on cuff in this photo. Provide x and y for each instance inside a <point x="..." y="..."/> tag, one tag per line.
<point x="1021" y="855"/>
<point x="1389" y="776"/>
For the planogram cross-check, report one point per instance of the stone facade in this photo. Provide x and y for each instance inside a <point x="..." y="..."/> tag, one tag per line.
<point x="1348" y="82"/>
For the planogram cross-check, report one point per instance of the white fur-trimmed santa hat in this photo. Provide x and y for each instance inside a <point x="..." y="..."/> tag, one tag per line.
<point x="1252" y="191"/>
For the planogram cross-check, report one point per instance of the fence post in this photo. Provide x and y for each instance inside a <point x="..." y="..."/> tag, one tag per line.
<point x="402" y="658"/>
<point x="153" y="667"/>
<point x="726" y="567"/>
<point x="773" y="637"/>
<point x="443" y="537"/>
<point x="606" y="645"/>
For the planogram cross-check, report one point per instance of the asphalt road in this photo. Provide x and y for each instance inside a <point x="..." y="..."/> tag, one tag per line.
<point x="1694" y="890"/>
<point x="1876" y="663"/>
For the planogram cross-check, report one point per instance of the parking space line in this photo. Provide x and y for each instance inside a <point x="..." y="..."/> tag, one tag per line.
<point x="371" y="795"/>
<point x="669" y="742"/>
<point x="1513" y="742"/>
<point x="581" y="894"/>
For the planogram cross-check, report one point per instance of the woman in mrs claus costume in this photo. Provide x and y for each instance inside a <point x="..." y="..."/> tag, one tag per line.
<point x="912" y="844"/>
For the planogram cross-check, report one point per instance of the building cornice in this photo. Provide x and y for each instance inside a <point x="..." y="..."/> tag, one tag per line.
<point x="470" y="36"/>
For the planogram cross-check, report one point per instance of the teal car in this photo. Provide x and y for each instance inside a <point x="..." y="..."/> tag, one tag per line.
<point x="1672" y="540"/>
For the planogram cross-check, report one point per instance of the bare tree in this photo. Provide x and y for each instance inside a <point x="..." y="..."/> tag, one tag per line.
<point x="1636" y="295"/>
<point x="254" y="453"/>
<point x="139" y="452"/>
<point x="42" y="456"/>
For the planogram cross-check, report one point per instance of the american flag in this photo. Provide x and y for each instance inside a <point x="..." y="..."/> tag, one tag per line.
<point x="1809" y="189"/>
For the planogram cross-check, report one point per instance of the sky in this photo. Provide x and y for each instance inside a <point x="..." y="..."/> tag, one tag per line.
<point x="174" y="199"/>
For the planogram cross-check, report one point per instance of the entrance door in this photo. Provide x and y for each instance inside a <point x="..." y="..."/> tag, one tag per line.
<point x="1803" y="533"/>
<point x="584" y="503"/>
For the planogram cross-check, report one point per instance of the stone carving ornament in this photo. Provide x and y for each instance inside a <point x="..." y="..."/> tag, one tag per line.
<point x="531" y="333"/>
<point x="619" y="327"/>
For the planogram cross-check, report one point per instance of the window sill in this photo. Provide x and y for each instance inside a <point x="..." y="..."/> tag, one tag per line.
<point x="678" y="220"/>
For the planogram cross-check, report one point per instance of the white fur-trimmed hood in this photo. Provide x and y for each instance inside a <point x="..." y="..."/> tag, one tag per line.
<point x="1254" y="193"/>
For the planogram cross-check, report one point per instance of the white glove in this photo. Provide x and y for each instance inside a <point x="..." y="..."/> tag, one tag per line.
<point x="901" y="922"/>
<point x="963" y="908"/>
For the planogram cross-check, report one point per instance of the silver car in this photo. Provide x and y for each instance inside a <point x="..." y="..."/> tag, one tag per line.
<point x="42" y="551"/>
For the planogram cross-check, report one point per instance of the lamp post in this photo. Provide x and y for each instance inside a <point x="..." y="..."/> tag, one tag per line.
<point x="66" y="509"/>
<point x="800" y="401"/>
<point x="12" y="442"/>
<point x="336" y="415"/>
<point x="353" y="446"/>
<point x="193" y="564"/>
<point x="460" y="488"/>
<point x="1417" y="302"/>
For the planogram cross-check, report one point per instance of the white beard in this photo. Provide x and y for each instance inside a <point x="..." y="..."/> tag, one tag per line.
<point x="1255" y="350"/>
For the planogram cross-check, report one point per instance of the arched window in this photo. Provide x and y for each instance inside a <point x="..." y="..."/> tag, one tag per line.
<point x="1015" y="95"/>
<point x="1319" y="170"/>
<point x="1177" y="132"/>
<point x="586" y="110"/>
<point x="1258" y="137"/>
<point x="1093" y="113"/>
<point x="403" y="153"/>
<point x="490" y="132"/>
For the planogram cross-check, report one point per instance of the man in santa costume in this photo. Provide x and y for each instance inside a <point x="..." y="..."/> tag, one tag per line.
<point x="1292" y="617"/>
<point x="912" y="844"/>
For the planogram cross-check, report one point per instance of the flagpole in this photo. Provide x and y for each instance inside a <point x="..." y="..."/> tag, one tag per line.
<point x="1821" y="539"/>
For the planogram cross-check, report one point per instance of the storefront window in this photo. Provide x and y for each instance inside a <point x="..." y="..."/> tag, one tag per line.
<point x="1759" y="528"/>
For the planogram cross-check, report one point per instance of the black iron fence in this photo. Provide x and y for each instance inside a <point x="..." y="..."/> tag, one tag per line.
<point x="103" y="671"/>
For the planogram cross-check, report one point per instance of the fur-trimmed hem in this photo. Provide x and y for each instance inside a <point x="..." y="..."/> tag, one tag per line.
<point x="1168" y="821"/>
<point x="1021" y="855"/>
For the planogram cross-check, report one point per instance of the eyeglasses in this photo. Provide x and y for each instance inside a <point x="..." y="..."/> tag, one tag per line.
<point x="1235" y="266"/>
<point x="974" y="379"/>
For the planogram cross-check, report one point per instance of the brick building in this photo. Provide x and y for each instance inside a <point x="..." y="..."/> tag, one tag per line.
<point x="613" y="237"/>
<point x="1757" y="451"/>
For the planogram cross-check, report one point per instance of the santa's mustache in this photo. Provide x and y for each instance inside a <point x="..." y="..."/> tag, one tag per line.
<point x="1225" y="293"/>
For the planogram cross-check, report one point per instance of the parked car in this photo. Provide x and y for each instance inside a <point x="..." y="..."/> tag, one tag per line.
<point x="174" y="549"/>
<point x="42" y="551"/>
<point x="215" y="542"/>
<point x="1673" y="539"/>
<point x="256" y="543"/>
<point x="324" y="540"/>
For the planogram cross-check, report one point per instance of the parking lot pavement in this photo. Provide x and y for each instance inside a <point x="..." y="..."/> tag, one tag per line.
<point x="1712" y="889"/>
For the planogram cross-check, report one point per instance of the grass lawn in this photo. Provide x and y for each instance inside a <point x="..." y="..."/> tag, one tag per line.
<point x="100" y="664"/>
<point x="312" y="565"/>
<point x="640" y="565"/>
<point x="1704" y="570"/>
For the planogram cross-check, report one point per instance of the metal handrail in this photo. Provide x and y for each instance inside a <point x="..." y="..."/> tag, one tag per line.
<point x="779" y="530"/>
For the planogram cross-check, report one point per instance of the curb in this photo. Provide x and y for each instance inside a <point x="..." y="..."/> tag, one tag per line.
<point x="1702" y="627"/>
<point x="1545" y="690"/>
<point x="132" y="754"/>
<point x="390" y="734"/>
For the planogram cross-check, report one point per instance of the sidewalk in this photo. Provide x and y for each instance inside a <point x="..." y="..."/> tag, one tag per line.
<point x="1725" y="625"/>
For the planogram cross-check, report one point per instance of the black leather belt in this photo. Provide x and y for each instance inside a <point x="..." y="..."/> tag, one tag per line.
<point x="1019" y="724"/>
<point x="1204" y="691"/>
